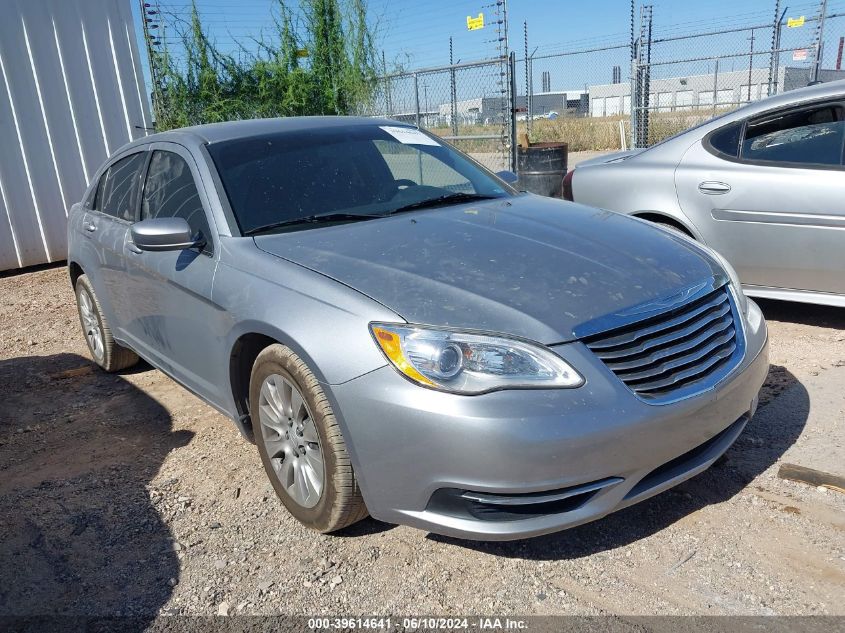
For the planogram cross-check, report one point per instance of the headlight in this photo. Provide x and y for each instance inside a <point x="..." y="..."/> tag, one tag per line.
<point x="467" y="363"/>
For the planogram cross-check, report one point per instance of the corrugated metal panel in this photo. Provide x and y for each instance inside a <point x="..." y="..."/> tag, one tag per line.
<point x="71" y="93"/>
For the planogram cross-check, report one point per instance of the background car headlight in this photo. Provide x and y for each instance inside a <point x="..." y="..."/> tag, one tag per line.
<point x="469" y="363"/>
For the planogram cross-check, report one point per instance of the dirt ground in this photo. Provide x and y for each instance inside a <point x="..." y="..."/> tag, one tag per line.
<point x="125" y="495"/>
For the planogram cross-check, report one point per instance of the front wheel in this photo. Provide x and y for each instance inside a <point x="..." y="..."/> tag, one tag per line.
<point x="300" y="443"/>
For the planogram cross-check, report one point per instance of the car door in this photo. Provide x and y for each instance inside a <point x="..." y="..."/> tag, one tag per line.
<point x="105" y="225"/>
<point x="170" y="291"/>
<point x="769" y="194"/>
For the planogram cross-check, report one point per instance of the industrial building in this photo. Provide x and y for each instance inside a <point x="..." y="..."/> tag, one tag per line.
<point x="699" y="91"/>
<point x="71" y="93"/>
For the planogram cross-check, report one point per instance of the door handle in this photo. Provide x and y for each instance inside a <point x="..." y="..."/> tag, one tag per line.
<point x="88" y="226"/>
<point x="714" y="188"/>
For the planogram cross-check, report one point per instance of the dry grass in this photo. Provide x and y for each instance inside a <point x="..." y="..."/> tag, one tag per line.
<point x="581" y="133"/>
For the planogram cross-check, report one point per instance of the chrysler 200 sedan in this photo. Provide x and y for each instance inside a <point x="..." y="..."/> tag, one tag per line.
<point x="403" y="334"/>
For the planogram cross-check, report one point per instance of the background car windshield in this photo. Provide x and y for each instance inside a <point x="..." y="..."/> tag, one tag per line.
<point x="358" y="170"/>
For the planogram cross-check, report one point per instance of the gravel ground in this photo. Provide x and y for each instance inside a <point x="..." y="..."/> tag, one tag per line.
<point x="125" y="495"/>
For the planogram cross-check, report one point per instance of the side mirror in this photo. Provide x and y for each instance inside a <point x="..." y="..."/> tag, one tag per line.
<point x="508" y="176"/>
<point x="163" y="234"/>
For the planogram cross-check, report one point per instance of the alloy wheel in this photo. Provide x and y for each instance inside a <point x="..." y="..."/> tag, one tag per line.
<point x="91" y="325"/>
<point x="291" y="440"/>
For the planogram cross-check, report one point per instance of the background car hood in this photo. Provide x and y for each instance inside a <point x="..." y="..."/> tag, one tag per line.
<point x="613" y="157"/>
<point x="528" y="266"/>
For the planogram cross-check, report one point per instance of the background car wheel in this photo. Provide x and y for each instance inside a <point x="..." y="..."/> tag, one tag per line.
<point x="300" y="443"/>
<point x="674" y="228"/>
<point x="104" y="350"/>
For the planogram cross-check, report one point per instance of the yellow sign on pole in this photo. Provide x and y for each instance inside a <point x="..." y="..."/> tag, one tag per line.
<point x="473" y="24"/>
<point x="794" y="23"/>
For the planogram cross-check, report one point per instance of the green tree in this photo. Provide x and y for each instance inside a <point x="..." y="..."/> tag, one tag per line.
<point x="197" y="83"/>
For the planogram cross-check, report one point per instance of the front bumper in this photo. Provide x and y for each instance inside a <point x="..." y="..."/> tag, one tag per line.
<point x="416" y="452"/>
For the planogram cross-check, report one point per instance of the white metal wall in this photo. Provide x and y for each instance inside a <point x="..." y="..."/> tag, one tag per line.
<point x="71" y="93"/>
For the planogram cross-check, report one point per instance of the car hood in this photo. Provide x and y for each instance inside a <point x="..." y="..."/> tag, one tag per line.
<point x="526" y="265"/>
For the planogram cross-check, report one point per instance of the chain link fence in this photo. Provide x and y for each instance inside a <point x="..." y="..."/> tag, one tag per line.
<point x="678" y="78"/>
<point x="616" y="92"/>
<point x="681" y="80"/>
<point x="467" y="104"/>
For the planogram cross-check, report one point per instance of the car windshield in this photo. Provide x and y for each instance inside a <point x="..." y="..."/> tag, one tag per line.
<point x="295" y="179"/>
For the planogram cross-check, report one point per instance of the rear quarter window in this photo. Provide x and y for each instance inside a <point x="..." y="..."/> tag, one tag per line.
<point x="725" y="140"/>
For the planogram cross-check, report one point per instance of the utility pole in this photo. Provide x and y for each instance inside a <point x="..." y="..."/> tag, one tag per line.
<point x="819" y="41"/>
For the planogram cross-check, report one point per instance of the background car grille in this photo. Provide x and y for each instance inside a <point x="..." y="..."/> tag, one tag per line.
<point x="682" y="348"/>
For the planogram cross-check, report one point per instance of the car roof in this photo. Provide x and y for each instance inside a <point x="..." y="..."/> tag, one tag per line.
<point x="211" y="133"/>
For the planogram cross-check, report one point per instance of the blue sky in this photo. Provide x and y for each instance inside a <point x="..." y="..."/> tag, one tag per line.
<point x="416" y="33"/>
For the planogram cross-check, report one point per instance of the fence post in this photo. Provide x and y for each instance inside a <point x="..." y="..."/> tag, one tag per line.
<point x="453" y="93"/>
<point x="644" y="74"/>
<point x="512" y="66"/>
<point x="817" y="66"/>
<point x="774" y="56"/>
<point x="634" y="82"/>
<point x="417" y="99"/>
<point x="750" y="66"/>
<point x="715" y="87"/>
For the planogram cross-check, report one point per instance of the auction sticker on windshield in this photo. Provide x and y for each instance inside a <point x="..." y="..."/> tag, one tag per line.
<point x="408" y="135"/>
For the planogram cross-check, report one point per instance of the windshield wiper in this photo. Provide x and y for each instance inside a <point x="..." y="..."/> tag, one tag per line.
<point x="449" y="198"/>
<point x="312" y="219"/>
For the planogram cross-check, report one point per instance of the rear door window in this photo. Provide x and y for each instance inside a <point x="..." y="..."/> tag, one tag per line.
<point x="810" y="136"/>
<point x="118" y="189"/>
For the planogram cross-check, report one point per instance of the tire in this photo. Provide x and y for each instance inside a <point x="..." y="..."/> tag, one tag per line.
<point x="289" y="432"/>
<point x="107" y="353"/>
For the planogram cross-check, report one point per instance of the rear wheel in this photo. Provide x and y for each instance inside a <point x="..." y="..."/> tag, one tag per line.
<point x="300" y="443"/>
<point x="674" y="228"/>
<point x="108" y="354"/>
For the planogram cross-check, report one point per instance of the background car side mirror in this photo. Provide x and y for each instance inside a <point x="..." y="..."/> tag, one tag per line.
<point x="163" y="234"/>
<point x="508" y="176"/>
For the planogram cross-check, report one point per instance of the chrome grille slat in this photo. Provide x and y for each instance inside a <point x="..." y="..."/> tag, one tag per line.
<point x="636" y="334"/>
<point x="665" y="353"/>
<point x="683" y="351"/>
<point x="692" y="328"/>
<point x="680" y="361"/>
<point x="692" y="372"/>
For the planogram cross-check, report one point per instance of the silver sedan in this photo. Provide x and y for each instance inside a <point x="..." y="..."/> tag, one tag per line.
<point x="403" y="334"/>
<point x="763" y="185"/>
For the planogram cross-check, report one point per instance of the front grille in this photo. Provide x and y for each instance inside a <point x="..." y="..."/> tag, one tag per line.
<point x="686" y="348"/>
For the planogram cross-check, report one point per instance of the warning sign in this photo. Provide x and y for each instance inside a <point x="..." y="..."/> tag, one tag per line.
<point x="794" y="23"/>
<point x="473" y="24"/>
<point x="800" y="55"/>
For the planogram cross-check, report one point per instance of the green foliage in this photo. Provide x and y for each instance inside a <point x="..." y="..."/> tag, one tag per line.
<point x="198" y="83"/>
